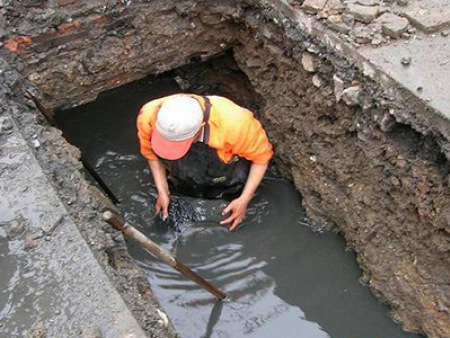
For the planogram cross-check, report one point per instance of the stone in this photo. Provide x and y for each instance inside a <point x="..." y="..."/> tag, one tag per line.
<point x="38" y="331"/>
<point x="30" y="242"/>
<point x="308" y="62"/>
<point x="368" y="2"/>
<point x="317" y="81"/>
<point x="35" y="143"/>
<point x="362" y="34"/>
<point x="365" y="134"/>
<point x="395" y="181"/>
<point x="254" y="62"/>
<point x="49" y="228"/>
<point x="376" y="40"/>
<point x="335" y="23"/>
<point x="427" y="19"/>
<point x="393" y="25"/>
<point x="6" y="125"/>
<point x="402" y="3"/>
<point x="16" y="227"/>
<point x="91" y="332"/>
<point x="338" y="87"/>
<point x="333" y="7"/>
<point x="351" y="95"/>
<point x="62" y="3"/>
<point x="406" y="60"/>
<point x="445" y="33"/>
<point x="361" y="13"/>
<point x="348" y="19"/>
<point x="313" y="48"/>
<point x="387" y="123"/>
<point x="322" y="15"/>
<point x="314" y="6"/>
<point x="411" y="30"/>
<point x="375" y="28"/>
<point x="406" y="35"/>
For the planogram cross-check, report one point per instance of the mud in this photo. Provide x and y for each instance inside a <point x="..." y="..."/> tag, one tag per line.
<point x="276" y="269"/>
<point x="368" y="156"/>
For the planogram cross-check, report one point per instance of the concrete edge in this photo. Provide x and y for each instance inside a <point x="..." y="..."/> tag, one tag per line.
<point x="400" y="102"/>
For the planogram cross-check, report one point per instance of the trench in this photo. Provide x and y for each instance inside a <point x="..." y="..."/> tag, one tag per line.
<point x="283" y="274"/>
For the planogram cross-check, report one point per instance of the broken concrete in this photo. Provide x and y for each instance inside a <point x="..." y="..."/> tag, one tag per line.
<point x="393" y="25"/>
<point x="429" y="16"/>
<point x="336" y="23"/>
<point x="308" y="62"/>
<point x="365" y="14"/>
<point x="418" y="16"/>
<point x="427" y="71"/>
<point x="314" y="6"/>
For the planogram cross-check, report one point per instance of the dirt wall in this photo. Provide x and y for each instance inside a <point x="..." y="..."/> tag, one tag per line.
<point x="379" y="182"/>
<point x="369" y="160"/>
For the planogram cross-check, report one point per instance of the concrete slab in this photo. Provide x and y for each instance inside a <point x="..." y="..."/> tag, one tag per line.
<point x="51" y="285"/>
<point x="427" y="75"/>
<point x="429" y="16"/>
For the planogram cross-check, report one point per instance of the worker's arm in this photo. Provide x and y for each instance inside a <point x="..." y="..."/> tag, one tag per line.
<point x="238" y="207"/>
<point x="160" y="179"/>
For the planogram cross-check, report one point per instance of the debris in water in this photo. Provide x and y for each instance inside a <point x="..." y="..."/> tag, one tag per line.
<point x="180" y="212"/>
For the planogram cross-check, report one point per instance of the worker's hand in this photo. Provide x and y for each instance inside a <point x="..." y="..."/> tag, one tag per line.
<point x="162" y="205"/>
<point x="238" y="209"/>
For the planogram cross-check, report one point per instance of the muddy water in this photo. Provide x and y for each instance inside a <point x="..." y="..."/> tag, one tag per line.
<point x="283" y="277"/>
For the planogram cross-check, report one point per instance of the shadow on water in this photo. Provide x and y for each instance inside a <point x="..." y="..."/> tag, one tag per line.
<point x="283" y="279"/>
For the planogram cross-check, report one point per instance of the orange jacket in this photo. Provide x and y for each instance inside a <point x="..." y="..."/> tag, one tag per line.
<point x="233" y="130"/>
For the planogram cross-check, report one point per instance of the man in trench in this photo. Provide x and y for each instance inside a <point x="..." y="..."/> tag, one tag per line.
<point x="205" y="146"/>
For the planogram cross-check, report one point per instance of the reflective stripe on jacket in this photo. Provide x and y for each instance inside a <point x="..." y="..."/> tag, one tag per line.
<point x="233" y="130"/>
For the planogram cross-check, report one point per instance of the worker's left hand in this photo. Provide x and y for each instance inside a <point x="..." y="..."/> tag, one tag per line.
<point x="238" y="209"/>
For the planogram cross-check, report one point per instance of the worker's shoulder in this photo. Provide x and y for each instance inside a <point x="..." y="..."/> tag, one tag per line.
<point x="151" y="106"/>
<point x="222" y="101"/>
<point x="228" y="107"/>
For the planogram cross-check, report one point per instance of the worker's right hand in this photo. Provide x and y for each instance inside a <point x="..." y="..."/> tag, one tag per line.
<point x="162" y="205"/>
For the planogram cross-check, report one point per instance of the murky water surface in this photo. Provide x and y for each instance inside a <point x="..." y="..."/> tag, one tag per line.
<point x="283" y="278"/>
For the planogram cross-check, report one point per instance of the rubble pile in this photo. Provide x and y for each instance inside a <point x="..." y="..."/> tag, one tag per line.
<point x="377" y="22"/>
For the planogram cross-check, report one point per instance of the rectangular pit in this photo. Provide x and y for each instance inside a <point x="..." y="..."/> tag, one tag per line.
<point x="369" y="161"/>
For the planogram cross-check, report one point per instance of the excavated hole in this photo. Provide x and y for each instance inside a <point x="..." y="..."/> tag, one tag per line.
<point x="279" y="272"/>
<point x="381" y="183"/>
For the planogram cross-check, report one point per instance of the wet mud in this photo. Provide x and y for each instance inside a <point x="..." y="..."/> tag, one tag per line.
<point x="282" y="274"/>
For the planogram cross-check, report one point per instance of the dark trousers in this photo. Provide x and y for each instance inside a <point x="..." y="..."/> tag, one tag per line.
<point x="200" y="173"/>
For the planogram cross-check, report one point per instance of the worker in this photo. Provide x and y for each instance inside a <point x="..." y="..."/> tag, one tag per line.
<point x="206" y="146"/>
